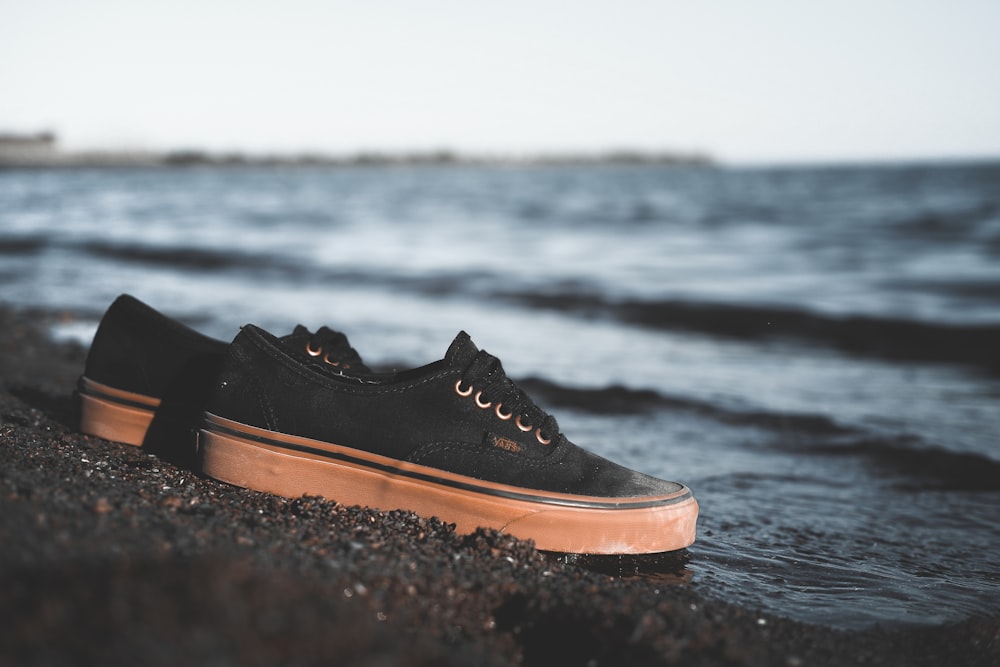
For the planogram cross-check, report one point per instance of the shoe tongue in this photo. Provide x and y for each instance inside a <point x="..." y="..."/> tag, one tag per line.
<point x="462" y="351"/>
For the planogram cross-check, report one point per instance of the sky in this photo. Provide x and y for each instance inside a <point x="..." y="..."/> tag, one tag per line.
<point x="763" y="81"/>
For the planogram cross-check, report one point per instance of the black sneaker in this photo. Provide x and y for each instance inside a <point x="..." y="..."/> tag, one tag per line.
<point x="454" y="439"/>
<point x="141" y="357"/>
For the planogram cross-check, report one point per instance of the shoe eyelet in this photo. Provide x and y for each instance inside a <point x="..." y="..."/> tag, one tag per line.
<point x="479" y="403"/>
<point x="501" y="415"/>
<point x="313" y="353"/>
<point x="521" y="425"/>
<point x="326" y="359"/>
<point x="462" y="392"/>
<point x="538" y="436"/>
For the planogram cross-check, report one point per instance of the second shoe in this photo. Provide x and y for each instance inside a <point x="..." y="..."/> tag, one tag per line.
<point x="455" y="439"/>
<point x="147" y="375"/>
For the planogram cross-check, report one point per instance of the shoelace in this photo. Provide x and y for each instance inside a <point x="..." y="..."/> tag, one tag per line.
<point x="485" y="381"/>
<point x="333" y="348"/>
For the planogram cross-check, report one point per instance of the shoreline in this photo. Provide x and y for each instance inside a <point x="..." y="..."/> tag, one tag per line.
<point x="113" y="555"/>
<point x="54" y="158"/>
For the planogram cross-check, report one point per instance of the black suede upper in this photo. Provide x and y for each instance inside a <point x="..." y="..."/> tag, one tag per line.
<point x="417" y="416"/>
<point x="140" y="350"/>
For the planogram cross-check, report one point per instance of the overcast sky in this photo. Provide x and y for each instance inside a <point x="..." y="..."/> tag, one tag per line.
<point x="757" y="81"/>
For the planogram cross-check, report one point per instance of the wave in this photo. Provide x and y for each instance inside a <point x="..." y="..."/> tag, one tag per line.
<point x="274" y="267"/>
<point x="921" y="467"/>
<point x="955" y="225"/>
<point x="22" y="245"/>
<point x="865" y="335"/>
<point x="888" y="338"/>
<point x="616" y="399"/>
<point x="966" y="288"/>
<point x="179" y="257"/>
<point x="928" y="468"/>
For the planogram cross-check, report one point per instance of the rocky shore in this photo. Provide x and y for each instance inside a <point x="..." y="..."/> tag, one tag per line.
<point x="111" y="555"/>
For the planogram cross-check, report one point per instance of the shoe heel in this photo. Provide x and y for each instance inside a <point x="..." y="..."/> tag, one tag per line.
<point x="107" y="418"/>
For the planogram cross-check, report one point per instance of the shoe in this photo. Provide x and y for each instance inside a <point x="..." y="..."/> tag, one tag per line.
<point x="454" y="439"/>
<point x="140" y="357"/>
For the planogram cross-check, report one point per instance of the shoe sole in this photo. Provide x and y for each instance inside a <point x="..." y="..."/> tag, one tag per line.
<point x="293" y="466"/>
<point x="115" y="414"/>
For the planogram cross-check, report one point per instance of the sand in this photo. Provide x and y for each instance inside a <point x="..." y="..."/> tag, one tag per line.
<point x="111" y="555"/>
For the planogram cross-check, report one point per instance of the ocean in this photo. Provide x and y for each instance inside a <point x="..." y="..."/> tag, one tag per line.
<point x="815" y="351"/>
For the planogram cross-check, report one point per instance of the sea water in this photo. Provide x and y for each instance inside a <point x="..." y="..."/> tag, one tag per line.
<point x="814" y="351"/>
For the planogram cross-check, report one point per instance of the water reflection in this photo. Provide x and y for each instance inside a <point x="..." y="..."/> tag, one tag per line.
<point x="669" y="567"/>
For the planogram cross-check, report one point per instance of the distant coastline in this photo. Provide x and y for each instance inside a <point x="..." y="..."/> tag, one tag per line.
<point x="41" y="150"/>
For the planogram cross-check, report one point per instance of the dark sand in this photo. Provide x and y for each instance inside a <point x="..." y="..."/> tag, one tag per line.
<point x="111" y="555"/>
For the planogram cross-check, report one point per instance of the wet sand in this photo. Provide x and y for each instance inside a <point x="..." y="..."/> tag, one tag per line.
<point x="111" y="555"/>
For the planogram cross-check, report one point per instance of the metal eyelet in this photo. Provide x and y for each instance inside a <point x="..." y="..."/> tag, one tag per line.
<point x="479" y="403"/>
<point x="313" y="353"/>
<point x="326" y="359"/>
<point x="501" y="415"/>
<point x="538" y="436"/>
<point x="460" y="391"/>
<point x="521" y="425"/>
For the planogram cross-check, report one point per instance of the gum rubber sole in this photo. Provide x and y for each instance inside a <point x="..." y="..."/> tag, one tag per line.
<point x="292" y="466"/>
<point x="115" y="414"/>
